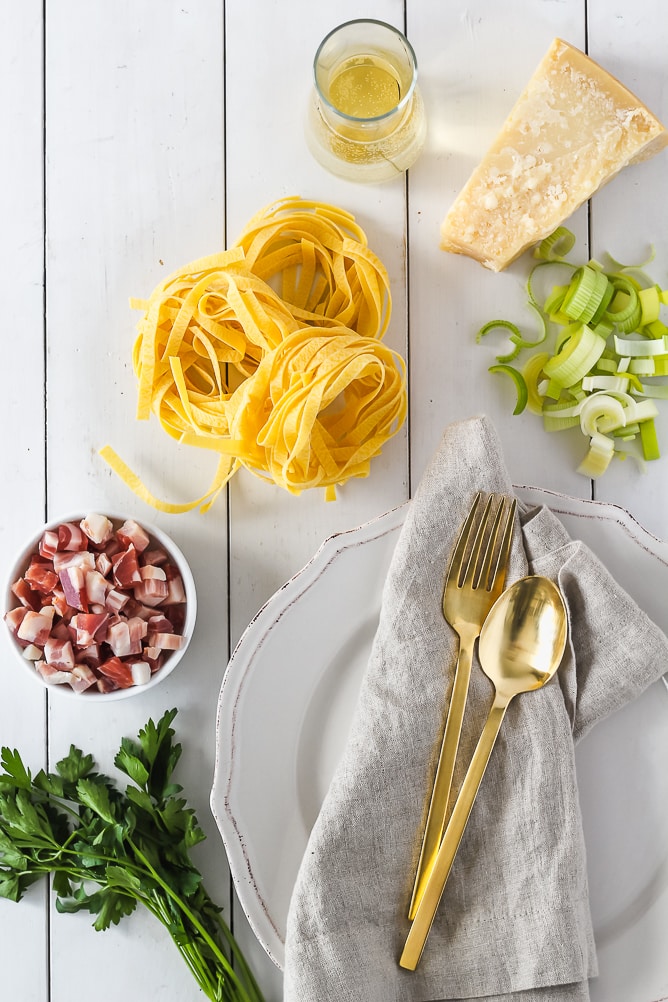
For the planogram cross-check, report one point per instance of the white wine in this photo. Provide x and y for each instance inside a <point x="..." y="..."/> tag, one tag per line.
<point x="365" y="118"/>
<point x="364" y="86"/>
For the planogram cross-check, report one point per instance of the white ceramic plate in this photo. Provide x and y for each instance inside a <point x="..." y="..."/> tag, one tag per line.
<point x="287" y="697"/>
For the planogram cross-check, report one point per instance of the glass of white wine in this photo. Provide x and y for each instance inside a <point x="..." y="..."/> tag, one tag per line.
<point x="366" y="118"/>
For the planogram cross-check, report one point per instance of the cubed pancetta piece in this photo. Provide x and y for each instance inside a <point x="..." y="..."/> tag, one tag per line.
<point x="74" y="585"/>
<point x="59" y="603"/>
<point x="122" y="641"/>
<point x="141" y="672"/>
<point x="153" y="657"/>
<point x="166" y="641"/>
<point x="103" y="564"/>
<point x="138" y="628"/>
<point x="48" y="544"/>
<point x="71" y="537"/>
<point x="131" y="533"/>
<point x="52" y="676"/>
<point x="26" y="596"/>
<point x="90" y="627"/>
<point x="160" y="624"/>
<point x="97" y="587"/>
<point x="91" y="655"/>
<point x="14" y="618"/>
<point x="59" y="653"/>
<point x="74" y="558"/>
<point x="176" y="592"/>
<point x="41" y="576"/>
<point x="116" y="600"/>
<point x="155" y="557"/>
<point x="153" y="589"/>
<point x="105" y="684"/>
<point x="117" y="671"/>
<point x="35" y="628"/>
<point x="83" y="677"/>
<point x="62" y="630"/>
<point x="97" y="527"/>
<point x="32" y="653"/>
<point x="125" y="568"/>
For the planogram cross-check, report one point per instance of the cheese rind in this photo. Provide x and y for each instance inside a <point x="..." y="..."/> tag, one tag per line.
<point x="573" y="128"/>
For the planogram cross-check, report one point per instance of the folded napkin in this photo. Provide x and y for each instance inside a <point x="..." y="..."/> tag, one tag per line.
<point x="514" y="922"/>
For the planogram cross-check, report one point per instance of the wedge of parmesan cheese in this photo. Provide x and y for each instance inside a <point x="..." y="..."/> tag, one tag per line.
<point x="573" y="128"/>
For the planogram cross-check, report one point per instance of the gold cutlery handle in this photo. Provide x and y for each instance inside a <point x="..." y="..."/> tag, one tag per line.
<point x="440" y="796"/>
<point x="435" y="885"/>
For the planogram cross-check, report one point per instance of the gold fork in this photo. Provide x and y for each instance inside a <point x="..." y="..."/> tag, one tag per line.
<point x="475" y="579"/>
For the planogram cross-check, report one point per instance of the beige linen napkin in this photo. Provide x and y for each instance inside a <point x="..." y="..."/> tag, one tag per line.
<point x="514" y="922"/>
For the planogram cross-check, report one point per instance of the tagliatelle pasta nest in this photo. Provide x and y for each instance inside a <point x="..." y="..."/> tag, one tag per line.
<point x="270" y="354"/>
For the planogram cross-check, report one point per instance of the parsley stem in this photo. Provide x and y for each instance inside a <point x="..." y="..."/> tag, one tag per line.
<point x="211" y="943"/>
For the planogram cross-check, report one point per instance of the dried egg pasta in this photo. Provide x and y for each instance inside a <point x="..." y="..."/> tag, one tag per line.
<point x="312" y="394"/>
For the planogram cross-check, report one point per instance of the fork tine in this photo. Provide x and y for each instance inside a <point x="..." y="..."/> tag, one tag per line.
<point x="498" y="578"/>
<point x="483" y="578"/>
<point x="462" y="540"/>
<point x="473" y="563"/>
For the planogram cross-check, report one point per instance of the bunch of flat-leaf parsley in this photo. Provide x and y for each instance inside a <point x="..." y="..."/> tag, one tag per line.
<point x="108" y="850"/>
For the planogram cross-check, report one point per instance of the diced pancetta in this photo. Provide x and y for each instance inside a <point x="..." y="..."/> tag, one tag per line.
<point x="14" y="618"/>
<point x="82" y="678"/>
<point x="105" y="684"/>
<point x="116" y="600"/>
<point x="35" y="628"/>
<point x="132" y="534"/>
<point x="103" y="564"/>
<point x="41" y="576"/>
<point x="63" y="630"/>
<point x="59" y="603"/>
<point x="118" y="638"/>
<point x="90" y="655"/>
<point x="26" y="596"/>
<point x="90" y="627"/>
<point x="32" y="653"/>
<point x="97" y="587"/>
<point x="160" y="624"/>
<point x="52" y="676"/>
<point x="125" y="568"/>
<point x="138" y="628"/>
<point x="74" y="585"/>
<point x="48" y="544"/>
<point x="98" y="608"/>
<point x="153" y="657"/>
<point x="74" y="558"/>
<point x="176" y="592"/>
<point x="59" y="653"/>
<point x="141" y="672"/>
<point x="71" y="537"/>
<point x="118" y="671"/>
<point x="97" y="527"/>
<point x="155" y="557"/>
<point x="166" y="641"/>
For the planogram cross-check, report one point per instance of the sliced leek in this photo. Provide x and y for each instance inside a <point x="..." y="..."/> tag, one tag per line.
<point x="518" y="380"/>
<point x="602" y="335"/>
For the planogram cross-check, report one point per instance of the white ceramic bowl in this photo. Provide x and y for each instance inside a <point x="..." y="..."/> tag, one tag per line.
<point x="158" y="539"/>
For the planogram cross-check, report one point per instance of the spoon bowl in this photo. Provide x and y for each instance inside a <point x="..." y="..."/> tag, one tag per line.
<point x="523" y="638"/>
<point x="521" y="646"/>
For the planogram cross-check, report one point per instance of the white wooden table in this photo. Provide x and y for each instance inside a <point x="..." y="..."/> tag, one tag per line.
<point x="141" y="134"/>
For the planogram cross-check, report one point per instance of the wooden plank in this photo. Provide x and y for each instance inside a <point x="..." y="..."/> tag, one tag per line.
<point x="135" y="189"/>
<point x="474" y="63"/>
<point x="269" y="55"/>
<point x="22" y="502"/>
<point x="631" y="213"/>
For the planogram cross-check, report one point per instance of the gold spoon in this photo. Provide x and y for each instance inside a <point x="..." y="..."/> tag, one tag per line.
<point x="520" y="648"/>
